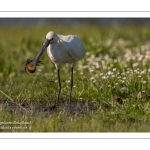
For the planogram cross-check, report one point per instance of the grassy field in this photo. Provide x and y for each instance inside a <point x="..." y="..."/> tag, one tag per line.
<point x="111" y="83"/>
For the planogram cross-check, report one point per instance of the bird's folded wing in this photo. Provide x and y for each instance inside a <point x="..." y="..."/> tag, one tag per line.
<point x="73" y="56"/>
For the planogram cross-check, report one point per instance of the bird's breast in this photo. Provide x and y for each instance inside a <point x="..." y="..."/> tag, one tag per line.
<point x="59" y="56"/>
<point x="53" y="53"/>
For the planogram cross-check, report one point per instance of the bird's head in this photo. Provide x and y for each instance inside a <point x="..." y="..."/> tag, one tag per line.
<point x="51" y="36"/>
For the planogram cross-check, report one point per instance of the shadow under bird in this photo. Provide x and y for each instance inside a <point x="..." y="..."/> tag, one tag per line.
<point x="60" y="49"/>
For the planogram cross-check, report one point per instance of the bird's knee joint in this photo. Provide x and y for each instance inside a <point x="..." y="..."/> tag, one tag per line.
<point x="71" y="83"/>
<point x="59" y="88"/>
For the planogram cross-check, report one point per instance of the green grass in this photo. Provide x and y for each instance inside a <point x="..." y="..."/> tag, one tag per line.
<point x="116" y="64"/>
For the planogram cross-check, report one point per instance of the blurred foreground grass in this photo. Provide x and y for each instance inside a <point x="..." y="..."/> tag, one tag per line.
<point x="116" y="65"/>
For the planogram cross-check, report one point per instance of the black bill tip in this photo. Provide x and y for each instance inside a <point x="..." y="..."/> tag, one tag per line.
<point x="30" y="65"/>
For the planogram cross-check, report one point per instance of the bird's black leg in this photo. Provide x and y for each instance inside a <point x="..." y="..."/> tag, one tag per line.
<point x="71" y="84"/>
<point x="59" y="88"/>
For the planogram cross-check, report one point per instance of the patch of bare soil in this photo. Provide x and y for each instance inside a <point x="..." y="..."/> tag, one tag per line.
<point x="80" y="107"/>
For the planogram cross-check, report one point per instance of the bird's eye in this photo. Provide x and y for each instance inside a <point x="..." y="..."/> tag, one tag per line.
<point x="51" y="41"/>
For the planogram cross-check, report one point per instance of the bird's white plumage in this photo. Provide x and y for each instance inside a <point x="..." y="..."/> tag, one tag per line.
<point x="64" y="49"/>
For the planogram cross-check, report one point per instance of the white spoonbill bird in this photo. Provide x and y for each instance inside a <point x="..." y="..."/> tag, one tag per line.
<point x="60" y="49"/>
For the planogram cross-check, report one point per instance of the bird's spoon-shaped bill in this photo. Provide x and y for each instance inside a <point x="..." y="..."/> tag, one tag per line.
<point x="31" y="64"/>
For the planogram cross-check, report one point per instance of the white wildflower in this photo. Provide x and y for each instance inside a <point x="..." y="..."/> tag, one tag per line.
<point x="92" y="78"/>
<point x="143" y="72"/>
<point x="109" y="73"/>
<point x="91" y="70"/>
<point x="113" y="76"/>
<point x="135" y="64"/>
<point x="144" y="82"/>
<point x="109" y="86"/>
<point x="123" y="89"/>
<point x="114" y="69"/>
<point x="124" y="78"/>
<point x="104" y="77"/>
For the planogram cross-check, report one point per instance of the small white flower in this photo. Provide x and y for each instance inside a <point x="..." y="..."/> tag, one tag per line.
<point x="87" y="53"/>
<point x="119" y="77"/>
<point x="104" y="77"/>
<point x="135" y="64"/>
<point x="140" y="58"/>
<point x="91" y="70"/>
<point x="136" y="71"/>
<point x="143" y="72"/>
<point x="114" y="69"/>
<point x="122" y="73"/>
<point x="92" y="78"/>
<point x="109" y="73"/>
<point x="94" y="81"/>
<point x="113" y="76"/>
<point x="124" y="78"/>
<point x="144" y="82"/>
<point x="39" y="70"/>
<point x="123" y="89"/>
